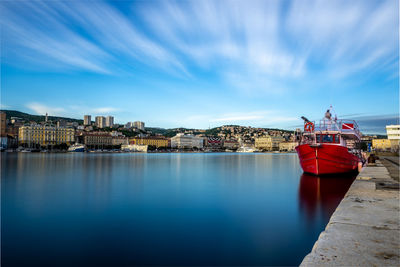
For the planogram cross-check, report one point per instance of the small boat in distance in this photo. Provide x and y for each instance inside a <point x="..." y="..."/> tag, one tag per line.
<point x="332" y="146"/>
<point x="76" y="148"/>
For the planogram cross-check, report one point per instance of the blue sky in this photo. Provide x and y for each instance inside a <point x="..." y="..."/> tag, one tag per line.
<point x="203" y="63"/>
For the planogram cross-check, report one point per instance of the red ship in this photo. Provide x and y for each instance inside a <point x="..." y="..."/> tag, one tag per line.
<point x="333" y="146"/>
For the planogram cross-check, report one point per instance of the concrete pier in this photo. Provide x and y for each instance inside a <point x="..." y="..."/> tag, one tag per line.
<point x="365" y="228"/>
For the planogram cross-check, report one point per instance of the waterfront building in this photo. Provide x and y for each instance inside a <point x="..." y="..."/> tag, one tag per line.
<point x="12" y="131"/>
<point x="44" y="135"/>
<point x="382" y="144"/>
<point x="139" y="125"/>
<point x="100" y="121"/>
<point x="134" y="148"/>
<point x="9" y="133"/>
<point x="156" y="141"/>
<point x="96" y="139"/>
<point x="87" y="120"/>
<point x="119" y="140"/>
<point x="8" y="141"/>
<point x="109" y="121"/>
<point x="3" y="124"/>
<point x="231" y="144"/>
<point x="393" y="132"/>
<point x="287" y="146"/>
<point x="3" y="142"/>
<point x="367" y="138"/>
<point x="214" y="142"/>
<point x="268" y="142"/>
<point x="186" y="141"/>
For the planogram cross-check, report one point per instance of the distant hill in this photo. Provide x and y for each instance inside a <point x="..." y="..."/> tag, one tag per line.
<point x="155" y="130"/>
<point x="35" y="118"/>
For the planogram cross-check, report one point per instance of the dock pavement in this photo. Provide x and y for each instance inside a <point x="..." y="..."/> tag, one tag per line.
<point x="365" y="228"/>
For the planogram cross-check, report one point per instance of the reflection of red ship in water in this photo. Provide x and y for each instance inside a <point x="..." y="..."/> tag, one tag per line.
<point x="321" y="196"/>
<point x="330" y="147"/>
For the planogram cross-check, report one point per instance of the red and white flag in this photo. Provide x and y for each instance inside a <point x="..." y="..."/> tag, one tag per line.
<point x="348" y="126"/>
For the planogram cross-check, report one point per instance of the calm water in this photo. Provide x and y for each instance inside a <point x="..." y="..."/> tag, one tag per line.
<point x="161" y="209"/>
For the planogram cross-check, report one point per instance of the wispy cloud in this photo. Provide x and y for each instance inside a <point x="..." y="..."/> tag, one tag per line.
<point x="92" y="36"/>
<point x="41" y="109"/>
<point x="260" y="118"/>
<point x="347" y="36"/>
<point x="3" y="106"/>
<point x="34" y="34"/>
<point x="225" y="57"/>
<point x="72" y="111"/>
<point x="262" y="40"/>
<point x="103" y="110"/>
<point x="376" y="123"/>
<point x="238" y="118"/>
<point x="255" y="47"/>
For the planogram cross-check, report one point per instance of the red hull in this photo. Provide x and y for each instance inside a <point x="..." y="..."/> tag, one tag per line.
<point x="326" y="159"/>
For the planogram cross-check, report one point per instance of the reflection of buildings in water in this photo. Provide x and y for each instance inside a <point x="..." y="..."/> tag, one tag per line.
<point x="319" y="196"/>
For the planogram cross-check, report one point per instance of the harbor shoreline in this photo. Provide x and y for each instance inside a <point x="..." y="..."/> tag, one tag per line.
<point x="364" y="229"/>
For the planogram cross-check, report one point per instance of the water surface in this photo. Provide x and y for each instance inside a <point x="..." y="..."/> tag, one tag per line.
<point x="161" y="209"/>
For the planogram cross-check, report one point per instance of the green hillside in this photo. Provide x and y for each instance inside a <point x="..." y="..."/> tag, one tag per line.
<point x="35" y="118"/>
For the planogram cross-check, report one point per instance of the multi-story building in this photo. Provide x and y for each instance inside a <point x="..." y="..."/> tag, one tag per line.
<point x="45" y="135"/>
<point x="96" y="139"/>
<point x="129" y="125"/>
<point x="382" y="144"/>
<point x="139" y="125"/>
<point x="393" y="132"/>
<point x="109" y="121"/>
<point x="186" y="141"/>
<point x="287" y="146"/>
<point x="87" y="120"/>
<point x="231" y="144"/>
<point x="3" y="124"/>
<point x="268" y="142"/>
<point x="12" y="131"/>
<point x="134" y="148"/>
<point x="100" y="121"/>
<point x="116" y="133"/>
<point x="61" y="123"/>
<point x="151" y="141"/>
<point x="214" y="142"/>
<point x="119" y="140"/>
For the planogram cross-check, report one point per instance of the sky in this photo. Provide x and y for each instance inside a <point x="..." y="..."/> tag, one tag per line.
<point x="201" y="64"/>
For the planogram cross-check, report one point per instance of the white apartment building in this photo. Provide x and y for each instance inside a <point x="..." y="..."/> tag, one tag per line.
<point x="100" y="121"/>
<point x="393" y="132"/>
<point x="87" y="120"/>
<point x="186" y="141"/>
<point x="129" y="125"/>
<point x="139" y="125"/>
<point x="109" y="121"/>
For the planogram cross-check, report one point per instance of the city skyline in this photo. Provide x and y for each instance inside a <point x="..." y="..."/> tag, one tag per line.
<point x="203" y="64"/>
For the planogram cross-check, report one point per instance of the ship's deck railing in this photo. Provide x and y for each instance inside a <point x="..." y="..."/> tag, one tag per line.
<point x="346" y="127"/>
